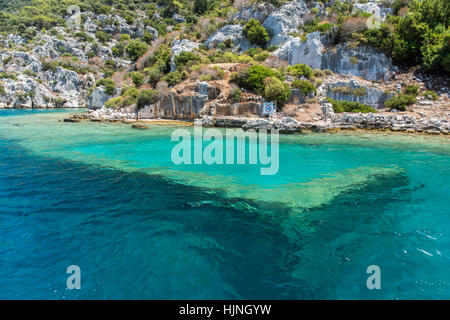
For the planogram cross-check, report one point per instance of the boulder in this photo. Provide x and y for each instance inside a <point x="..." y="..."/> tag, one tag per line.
<point x="309" y="52"/>
<point x="179" y="46"/>
<point x="98" y="98"/>
<point x="204" y="88"/>
<point x="229" y="32"/>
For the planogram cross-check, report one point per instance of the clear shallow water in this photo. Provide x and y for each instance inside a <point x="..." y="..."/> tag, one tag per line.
<point x="109" y="199"/>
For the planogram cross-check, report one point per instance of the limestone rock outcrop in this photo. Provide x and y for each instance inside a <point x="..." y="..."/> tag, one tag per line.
<point x="286" y="19"/>
<point x="179" y="46"/>
<point x="231" y="32"/>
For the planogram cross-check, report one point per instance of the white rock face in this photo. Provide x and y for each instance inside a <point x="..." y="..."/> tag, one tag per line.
<point x="68" y="85"/>
<point x="258" y="11"/>
<point x="372" y="96"/>
<point x="25" y="92"/>
<point x="24" y="61"/>
<point x="179" y="46"/>
<point x="50" y="89"/>
<point x="296" y="51"/>
<point x="53" y="47"/>
<point x="229" y="32"/>
<point x="286" y="19"/>
<point x="362" y="61"/>
<point x="135" y="30"/>
<point x="98" y="98"/>
<point x="372" y="7"/>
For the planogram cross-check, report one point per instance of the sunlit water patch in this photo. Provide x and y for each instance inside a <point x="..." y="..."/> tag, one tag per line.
<point x="108" y="198"/>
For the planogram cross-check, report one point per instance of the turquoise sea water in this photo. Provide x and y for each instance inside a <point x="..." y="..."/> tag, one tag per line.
<point x="109" y="199"/>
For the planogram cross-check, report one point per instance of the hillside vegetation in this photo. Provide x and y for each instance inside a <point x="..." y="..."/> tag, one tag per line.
<point x="164" y="42"/>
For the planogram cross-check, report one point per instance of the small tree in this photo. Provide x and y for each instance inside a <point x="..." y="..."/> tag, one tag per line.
<point x="200" y="6"/>
<point x="276" y="90"/>
<point x="136" y="48"/>
<point x="304" y="86"/>
<point x="147" y="97"/>
<point x="110" y="86"/>
<point x="300" y="70"/>
<point x="253" y="78"/>
<point x="256" y="33"/>
<point x="138" y="78"/>
<point x="147" y="37"/>
<point x="186" y="58"/>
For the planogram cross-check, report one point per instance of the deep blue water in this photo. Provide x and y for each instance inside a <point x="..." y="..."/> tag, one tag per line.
<point x="142" y="236"/>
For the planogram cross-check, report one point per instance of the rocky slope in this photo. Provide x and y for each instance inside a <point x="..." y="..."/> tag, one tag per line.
<point x="189" y="58"/>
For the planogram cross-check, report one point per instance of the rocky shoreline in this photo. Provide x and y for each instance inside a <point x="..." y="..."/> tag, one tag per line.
<point x="330" y="121"/>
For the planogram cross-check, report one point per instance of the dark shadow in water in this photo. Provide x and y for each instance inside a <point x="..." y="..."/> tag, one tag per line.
<point x="261" y="253"/>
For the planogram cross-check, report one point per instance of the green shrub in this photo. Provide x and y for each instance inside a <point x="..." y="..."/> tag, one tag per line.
<point x="200" y="6"/>
<point x="154" y="75"/>
<point x="2" y="90"/>
<point x="261" y="56"/>
<point x="136" y="48"/>
<point x="314" y="25"/>
<point x="348" y="106"/>
<point x="276" y="90"/>
<point x="147" y="97"/>
<point x="160" y="59"/>
<point x="253" y="78"/>
<point x="256" y="33"/>
<point x="138" y="78"/>
<point x="125" y="37"/>
<point x="173" y="78"/>
<point x="400" y="102"/>
<point x="252" y="51"/>
<point x="110" y="86"/>
<point x="300" y="70"/>
<point x="304" y="86"/>
<point x="361" y="91"/>
<point x="49" y="65"/>
<point x="147" y="37"/>
<point x="129" y="92"/>
<point x="129" y="96"/>
<point x="186" y="58"/>
<point x="103" y="36"/>
<point x="420" y="37"/>
<point x="432" y="94"/>
<point x="235" y="94"/>
<point x="412" y="90"/>
<point x="114" y="103"/>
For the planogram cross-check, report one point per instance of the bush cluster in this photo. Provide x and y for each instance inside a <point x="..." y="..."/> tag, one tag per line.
<point x="348" y="106"/>
<point x="253" y="78"/>
<point x="304" y="86"/>
<point x="256" y="33"/>
<point x="300" y="70"/>
<point x="400" y="102"/>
